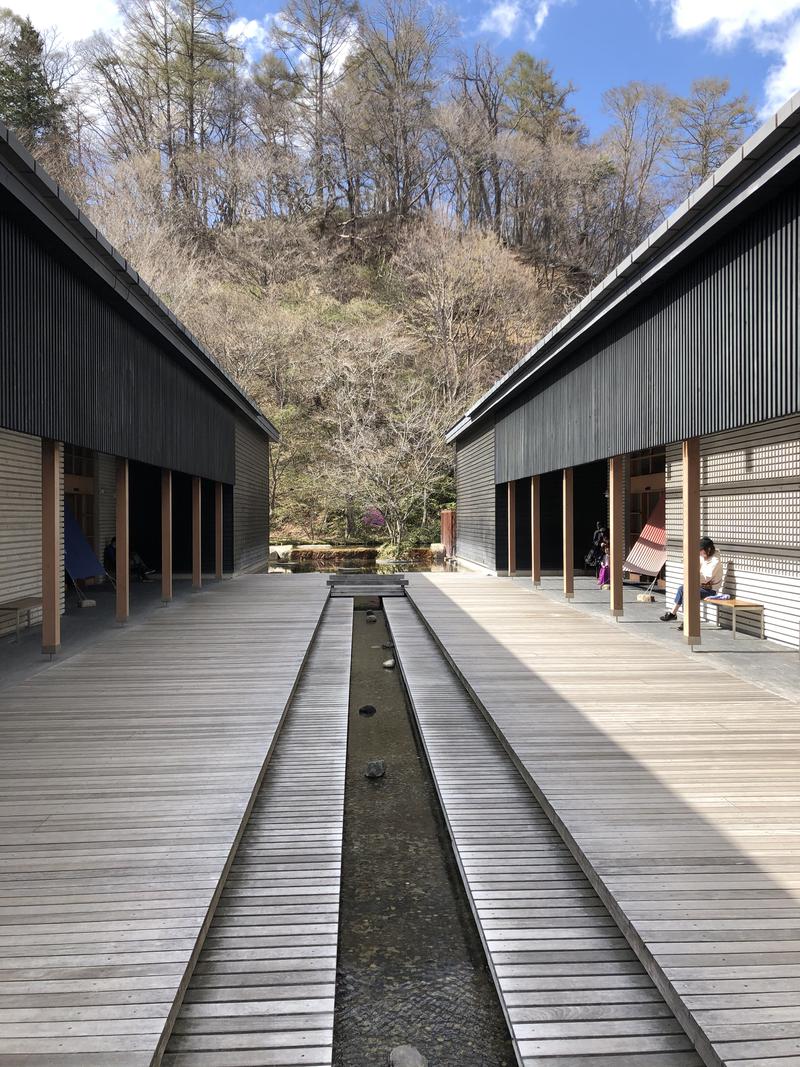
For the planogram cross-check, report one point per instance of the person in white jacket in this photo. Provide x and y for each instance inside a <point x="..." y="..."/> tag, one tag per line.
<point x="710" y="578"/>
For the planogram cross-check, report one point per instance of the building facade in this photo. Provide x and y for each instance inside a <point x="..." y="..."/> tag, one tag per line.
<point x="691" y="343"/>
<point x="110" y="406"/>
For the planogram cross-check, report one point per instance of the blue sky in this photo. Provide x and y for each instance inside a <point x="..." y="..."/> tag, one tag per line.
<point x="592" y="43"/>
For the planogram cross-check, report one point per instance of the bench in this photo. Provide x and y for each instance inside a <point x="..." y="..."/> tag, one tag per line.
<point x="737" y="604"/>
<point x="20" y="606"/>
<point x="367" y="579"/>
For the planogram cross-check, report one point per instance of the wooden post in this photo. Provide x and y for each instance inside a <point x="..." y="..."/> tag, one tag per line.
<point x="616" y="475"/>
<point x="690" y="473"/>
<point x="218" y="531"/>
<point x="512" y="528"/>
<point x="536" y="530"/>
<point x="166" y="536"/>
<point x="568" y="537"/>
<point x="123" y="554"/>
<point x="197" y="518"/>
<point x="51" y="548"/>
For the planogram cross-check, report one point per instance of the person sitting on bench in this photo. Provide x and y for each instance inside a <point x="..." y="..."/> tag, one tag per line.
<point x="710" y="578"/>
<point x="138" y="567"/>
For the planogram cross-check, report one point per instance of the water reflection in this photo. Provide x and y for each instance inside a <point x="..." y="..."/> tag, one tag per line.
<point x="347" y="565"/>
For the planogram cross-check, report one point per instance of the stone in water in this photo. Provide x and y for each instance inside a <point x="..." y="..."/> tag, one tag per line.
<point x="388" y="664"/>
<point x="406" y="1056"/>
<point x="376" y="768"/>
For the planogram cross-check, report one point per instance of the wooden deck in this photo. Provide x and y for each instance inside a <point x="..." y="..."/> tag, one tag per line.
<point x="675" y="785"/>
<point x="125" y="776"/>
<point x="571" y="987"/>
<point x="263" y="988"/>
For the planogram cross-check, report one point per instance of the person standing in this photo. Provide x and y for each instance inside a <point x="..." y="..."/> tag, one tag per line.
<point x="710" y="578"/>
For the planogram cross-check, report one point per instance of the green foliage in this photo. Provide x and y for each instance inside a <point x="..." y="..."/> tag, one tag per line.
<point x="538" y="103"/>
<point x="28" y="104"/>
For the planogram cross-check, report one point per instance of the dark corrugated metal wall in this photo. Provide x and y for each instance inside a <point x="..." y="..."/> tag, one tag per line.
<point x="76" y="368"/>
<point x="714" y="349"/>
<point x="475" y="496"/>
<point x="251" y="499"/>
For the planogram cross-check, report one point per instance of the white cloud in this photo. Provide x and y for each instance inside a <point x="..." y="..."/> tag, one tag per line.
<point x="783" y="79"/>
<point x="251" y="34"/>
<point x="74" y="19"/>
<point x="539" y="15"/>
<point x="729" y="20"/>
<point x="771" y="26"/>
<point x="501" y="19"/>
<point x="507" y="17"/>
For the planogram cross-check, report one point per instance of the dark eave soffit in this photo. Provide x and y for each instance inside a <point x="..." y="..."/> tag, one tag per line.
<point x="31" y="185"/>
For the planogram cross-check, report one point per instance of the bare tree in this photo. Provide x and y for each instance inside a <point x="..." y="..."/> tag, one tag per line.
<point x="400" y="50"/>
<point x="314" y="37"/>
<point x="636" y="146"/>
<point x="709" y="125"/>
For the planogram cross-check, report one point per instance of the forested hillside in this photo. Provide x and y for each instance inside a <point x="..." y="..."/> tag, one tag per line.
<point x="367" y="222"/>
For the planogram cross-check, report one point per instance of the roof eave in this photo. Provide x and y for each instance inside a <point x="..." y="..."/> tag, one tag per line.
<point x="58" y="212"/>
<point x="688" y="223"/>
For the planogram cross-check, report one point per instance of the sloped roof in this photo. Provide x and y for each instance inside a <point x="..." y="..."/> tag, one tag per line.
<point x="30" y="184"/>
<point x="753" y="169"/>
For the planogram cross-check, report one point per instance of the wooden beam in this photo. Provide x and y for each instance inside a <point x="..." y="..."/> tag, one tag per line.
<point x="690" y="477"/>
<point x="51" y="546"/>
<point x="123" y="553"/>
<point x="512" y="527"/>
<point x="218" y="535"/>
<point x="568" y="534"/>
<point x="166" y="536"/>
<point x="536" y="530"/>
<point x="197" y="545"/>
<point x="616" y="509"/>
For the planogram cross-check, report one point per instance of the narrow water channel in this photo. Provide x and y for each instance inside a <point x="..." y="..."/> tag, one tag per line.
<point x="411" y="966"/>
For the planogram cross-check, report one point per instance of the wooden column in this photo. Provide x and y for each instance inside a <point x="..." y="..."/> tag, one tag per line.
<point x="51" y="547"/>
<point x="616" y="532"/>
<point x="690" y="476"/>
<point x="123" y="555"/>
<point x="536" y="530"/>
<point x="512" y="527"/>
<point x="166" y="536"/>
<point x="218" y="531"/>
<point x="197" y="545"/>
<point x="568" y="537"/>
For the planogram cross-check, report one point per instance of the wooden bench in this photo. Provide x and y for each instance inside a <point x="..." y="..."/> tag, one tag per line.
<point x="380" y="585"/>
<point x="737" y="604"/>
<point x="362" y="577"/>
<point x="20" y="606"/>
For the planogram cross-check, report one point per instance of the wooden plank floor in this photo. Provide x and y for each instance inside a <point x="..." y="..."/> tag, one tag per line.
<point x="572" y="989"/>
<point x="125" y="775"/>
<point x="263" y="988"/>
<point x="676" y="785"/>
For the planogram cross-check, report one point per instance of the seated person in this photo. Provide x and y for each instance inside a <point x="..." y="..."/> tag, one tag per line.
<point x="137" y="566"/>
<point x="710" y="578"/>
<point x="110" y="556"/>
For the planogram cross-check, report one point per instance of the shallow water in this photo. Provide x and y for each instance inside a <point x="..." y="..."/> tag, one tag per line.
<point x="411" y="966"/>
<point x="348" y="565"/>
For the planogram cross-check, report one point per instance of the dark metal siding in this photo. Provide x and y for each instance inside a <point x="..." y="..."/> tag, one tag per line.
<point x="75" y="366"/>
<point x="251" y="499"/>
<point x="715" y="348"/>
<point x="475" y="495"/>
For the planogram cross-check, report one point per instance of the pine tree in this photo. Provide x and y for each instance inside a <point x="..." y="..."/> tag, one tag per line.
<point x="27" y="102"/>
